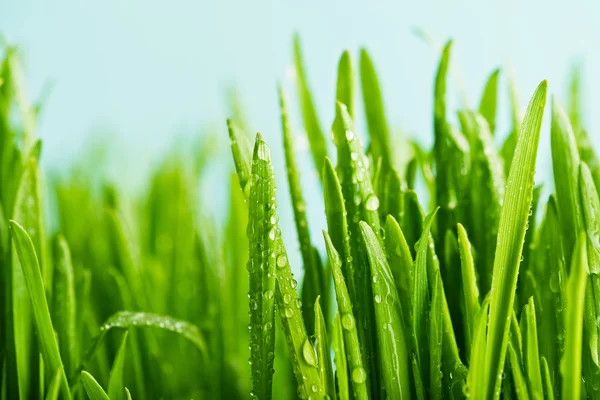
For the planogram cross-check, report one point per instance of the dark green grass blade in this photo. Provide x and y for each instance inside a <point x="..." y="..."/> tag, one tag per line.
<point x="64" y="306"/>
<point x="35" y="287"/>
<point x="358" y="375"/>
<point x="262" y="231"/>
<point x="511" y="232"/>
<point x="489" y="99"/>
<point x="565" y="164"/>
<point x="341" y="363"/>
<point x="531" y="355"/>
<point x="323" y="353"/>
<point x="316" y="137"/>
<point x="92" y="387"/>
<point x="436" y="330"/>
<point x="241" y="151"/>
<point x="311" y="287"/>
<point x="116" y="386"/>
<point x="570" y="364"/>
<point x="469" y="285"/>
<point x="374" y="110"/>
<point x="391" y="335"/>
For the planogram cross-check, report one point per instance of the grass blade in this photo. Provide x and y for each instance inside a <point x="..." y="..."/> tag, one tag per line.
<point x="358" y="375"/>
<point x="511" y="232"/>
<point x="323" y="350"/>
<point x="341" y="363"/>
<point x="570" y="364"/>
<point x="54" y="387"/>
<point x="436" y="323"/>
<point x="241" y="151"/>
<point x="116" y="386"/>
<point x="548" y="389"/>
<point x="489" y="99"/>
<point x="392" y="339"/>
<point x="345" y="91"/>
<point x="469" y="285"/>
<point x="92" y="387"/>
<point x="517" y="373"/>
<point x="531" y="355"/>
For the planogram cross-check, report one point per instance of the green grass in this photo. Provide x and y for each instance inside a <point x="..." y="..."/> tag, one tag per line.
<point x="478" y="285"/>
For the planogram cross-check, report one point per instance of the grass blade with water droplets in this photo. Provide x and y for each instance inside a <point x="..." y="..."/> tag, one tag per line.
<point x="511" y="232"/>
<point x="435" y="341"/>
<point x="241" y="151"/>
<point x="92" y="387"/>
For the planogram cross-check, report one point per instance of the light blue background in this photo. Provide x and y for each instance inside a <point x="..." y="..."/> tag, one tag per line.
<point x="147" y="71"/>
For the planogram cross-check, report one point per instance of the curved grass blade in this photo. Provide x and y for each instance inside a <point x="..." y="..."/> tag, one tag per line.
<point x="401" y="266"/>
<point x="531" y="355"/>
<point x="64" y="306"/>
<point x="92" y="387"/>
<point x="323" y="353"/>
<point x="570" y="364"/>
<point x="311" y="287"/>
<point x="116" y="386"/>
<point x="316" y="138"/>
<point x="358" y="376"/>
<point x="391" y="338"/>
<point x="241" y="151"/>
<point x="39" y="305"/>
<point x="341" y="363"/>
<point x="489" y="99"/>
<point x="127" y="394"/>
<point x="511" y="232"/>
<point x="374" y="109"/>
<point x="469" y="285"/>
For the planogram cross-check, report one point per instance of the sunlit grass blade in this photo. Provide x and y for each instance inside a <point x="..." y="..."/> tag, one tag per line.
<point x="476" y="384"/>
<point x="341" y="363"/>
<point x="54" y="387"/>
<point x="489" y="100"/>
<point x="39" y="305"/>
<point x="323" y="352"/>
<point x="241" y="151"/>
<point x="520" y="383"/>
<point x="358" y="376"/>
<point x="92" y="387"/>
<point x="316" y="137"/>
<point x="64" y="305"/>
<point x="374" y="110"/>
<point x="511" y="232"/>
<point x="570" y="364"/>
<point x="116" y="386"/>
<point x="436" y="330"/>
<point x="531" y="355"/>
<point x="311" y="287"/>
<point x="548" y="388"/>
<point x="345" y="91"/>
<point x="391" y="336"/>
<point x="470" y="288"/>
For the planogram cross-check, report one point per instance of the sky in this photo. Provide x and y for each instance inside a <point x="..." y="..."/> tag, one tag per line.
<point x="139" y="75"/>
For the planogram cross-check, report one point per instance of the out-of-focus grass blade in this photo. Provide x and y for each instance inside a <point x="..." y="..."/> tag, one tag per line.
<point x="412" y="221"/>
<point x="401" y="266"/>
<point x="341" y="363"/>
<point x="511" y="232"/>
<point x="469" y="285"/>
<point x="391" y="335"/>
<point x="127" y="394"/>
<point x="64" y="305"/>
<point x="345" y="88"/>
<point x="358" y="376"/>
<point x="374" y="109"/>
<point x="241" y="151"/>
<point x="311" y="287"/>
<point x="392" y="196"/>
<point x="35" y="286"/>
<point x="436" y="330"/>
<point x="565" y="163"/>
<point x="508" y="147"/>
<point x="517" y="374"/>
<point x="54" y="386"/>
<point x="316" y="138"/>
<point x="489" y="99"/>
<point x="116" y="386"/>
<point x="570" y="364"/>
<point x="323" y="352"/>
<point x="531" y="355"/>
<point x="92" y="387"/>
<point x="262" y="230"/>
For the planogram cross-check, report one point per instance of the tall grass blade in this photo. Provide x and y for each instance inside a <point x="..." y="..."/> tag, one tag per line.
<point x="531" y="355"/>
<point x="116" y="386"/>
<point x="241" y="151"/>
<point x="341" y="363"/>
<point x="470" y="288"/>
<point x="323" y="352"/>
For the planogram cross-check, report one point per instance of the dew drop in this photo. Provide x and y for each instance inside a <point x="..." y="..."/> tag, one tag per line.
<point x="372" y="203"/>
<point x="308" y="353"/>
<point x="359" y="375"/>
<point x="347" y="321"/>
<point x="281" y="260"/>
<point x="377" y="298"/>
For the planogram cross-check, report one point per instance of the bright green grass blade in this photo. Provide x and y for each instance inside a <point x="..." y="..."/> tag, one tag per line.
<point x="486" y="192"/>
<point x="420" y="297"/>
<point x="54" y="387"/>
<point x="531" y="355"/>
<point x="470" y="288"/>
<point x="241" y="151"/>
<point x="127" y="394"/>
<point x="93" y="388"/>
<point x="116" y="384"/>
<point x="401" y="266"/>
<point x="262" y="227"/>
<point x="311" y="287"/>
<point x="64" y="305"/>
<point x="548" y="389"/>
<point x="476" y="384"/>
<point x="316" y="137"/>
<point x="358" y="375"/>
<point x="489" y="99"/>
<point x="391" y="337"/>
<point x="374" y="110"/>
<point x="35" y="286"/>
<point x="341" y="363"/>
<point x="392" y="196"/>
<point x="345" y="91"/>
<point x="570" y="364"/>
<point x="323" y="352"/>
<point x="565" y="163"/>
<point x="436" y="330"/>
<point x="517" y="374"/>
<point x="511" y="232"/>
<point x="412" y="221"/>
<point x="424" y="160"/>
